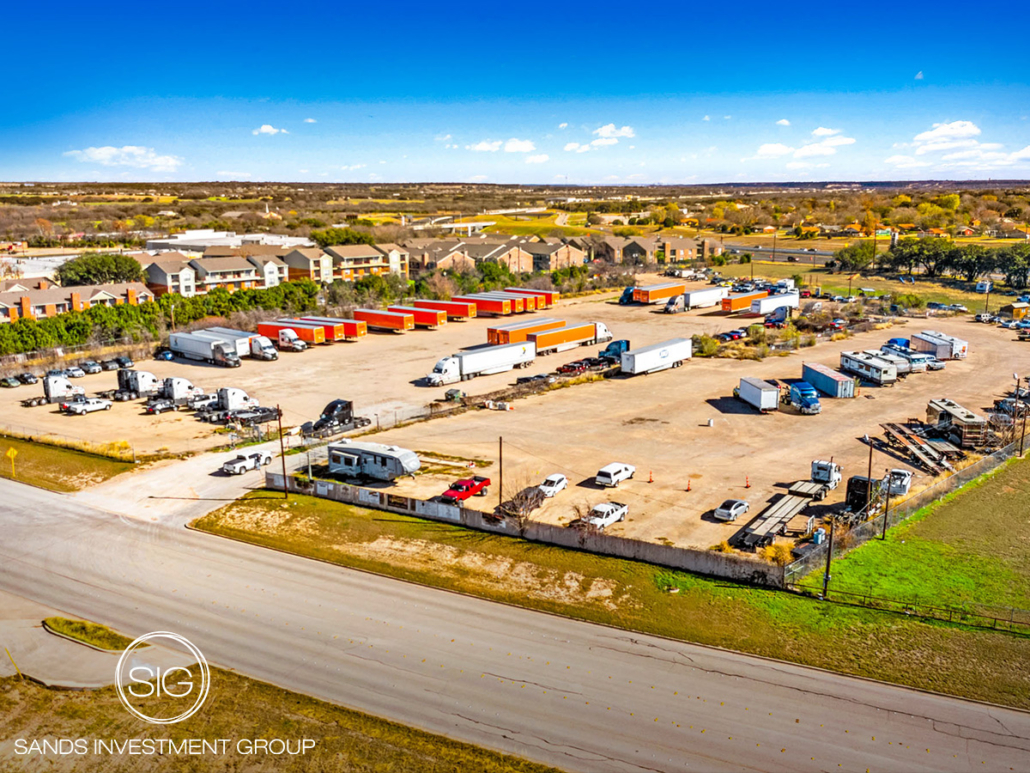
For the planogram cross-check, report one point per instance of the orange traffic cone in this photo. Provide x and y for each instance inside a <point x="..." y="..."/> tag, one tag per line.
<point x="747" y="482"/>
<point x="650" y="476"/>
<point x="688" y="484"/>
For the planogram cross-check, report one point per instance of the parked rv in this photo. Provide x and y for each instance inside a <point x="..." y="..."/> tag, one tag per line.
<point x="869" y="367"/>
<point x="354" y="459"/>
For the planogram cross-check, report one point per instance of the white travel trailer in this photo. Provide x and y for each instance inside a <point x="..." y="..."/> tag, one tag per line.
<point x="371" y="460"/>
<point x="869" y="367"/>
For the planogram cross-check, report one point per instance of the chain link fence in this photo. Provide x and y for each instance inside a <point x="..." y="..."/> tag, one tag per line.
<point x="873" y="528"/>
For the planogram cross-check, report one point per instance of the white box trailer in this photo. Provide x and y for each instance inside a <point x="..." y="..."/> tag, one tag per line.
<point x="958" y="350"/>
<point x="701" y="299"/>
<point x="247" y="344"/>
<point x="770" y="303"/>
<point x="929" y="344"/>
<point x="759" y="394"/>
<point x="656" y="357"/>
<point x="870" y="367"/>
<point x="206" y="348"/>
<point x="481" y="361"/>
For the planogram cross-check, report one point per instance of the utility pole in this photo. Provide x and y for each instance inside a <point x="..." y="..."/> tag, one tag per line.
<point x="775" y="234"/>
<point x="829" y="559"/>
<point x="282" y="453"/>
<point x="887" y="506"/>
<point x="500" y="462"/>
<point x="1022" y="434"/>
<point x="869" y="478"/>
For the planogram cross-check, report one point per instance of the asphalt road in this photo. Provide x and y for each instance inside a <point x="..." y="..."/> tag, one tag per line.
<point x="575" y="695"/>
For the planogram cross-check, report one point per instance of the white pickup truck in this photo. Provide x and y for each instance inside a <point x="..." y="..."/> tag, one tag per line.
<point x="90" y="404"/>
<point x="607" y="513"/>
<point x="245" y="462"/>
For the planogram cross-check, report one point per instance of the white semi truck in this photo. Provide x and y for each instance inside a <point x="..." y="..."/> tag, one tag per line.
<point x="696" y="299"/>
<point x="656" y="357"/>
<point x="247" y="344"/>
<point x="204" y="348"/>
<point x="57" y="389"/>
<point x="481" y="362"/>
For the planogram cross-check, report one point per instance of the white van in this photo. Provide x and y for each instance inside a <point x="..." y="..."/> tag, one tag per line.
<point x="613" y="474"/>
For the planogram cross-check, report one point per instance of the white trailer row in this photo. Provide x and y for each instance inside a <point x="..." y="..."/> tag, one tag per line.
<point x="656" y="357"/>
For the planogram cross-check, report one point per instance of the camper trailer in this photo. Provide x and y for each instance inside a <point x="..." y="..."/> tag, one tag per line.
<point x="371" y="460"/>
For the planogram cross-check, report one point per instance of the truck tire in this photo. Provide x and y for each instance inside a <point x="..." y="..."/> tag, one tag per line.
<point x="107" y="407"/>
<point x="484" y="492"/>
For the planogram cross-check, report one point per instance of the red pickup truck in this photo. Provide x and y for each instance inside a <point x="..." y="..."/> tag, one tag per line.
<point x="463" y="489"/>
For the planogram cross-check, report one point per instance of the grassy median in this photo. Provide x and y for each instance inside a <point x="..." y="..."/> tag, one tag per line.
<point x="236" y="708"/>
<point x="90" y="633"/>
<point x="54" y="468"/>
<point x="948" y="658"/>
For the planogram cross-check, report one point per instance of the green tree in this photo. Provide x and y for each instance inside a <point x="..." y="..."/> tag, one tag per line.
<point x="93" y="268"/>
<point x="332" y="236"/>
<point x="855" y="257"/>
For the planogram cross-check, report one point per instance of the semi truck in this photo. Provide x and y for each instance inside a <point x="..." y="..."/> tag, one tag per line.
<point x="758" y="394"/>
<point x="337" y="329"/>
<point x="430" y="318"/>
<point x="827" y="380"/>
<point x="931" y="340"/>
<point x="804" y="398"/>
<point x="481" y="361"/>
<point x="825" y="477"/>
<point x="56" y="389"/>
<point x="656" y="357"/>
<point x="310" y="333"/>
<point x="770" y="303"/>
<point x="658" y="293"/>
<point x="134" y="384"/>
<point x="569" y="337"/>
<point x="498" y="307"/>
<point x="613" y="351"/>
<point x="550" y="297"/>
<point x="205" y="349"/>
<point x="870" y="367"/>
<point x="696" y="299"/>
<point x="455" y="310"/>
<point x="385" y="320"/>
<point x="247" y="344"/>
<point x="284" y="336"/>
<point x="173" y="394"/>
<point x="228" y="400"/>
<point x="514" y="332"/>
<point x="336" y="417"/>
<point x="742" y="301"/>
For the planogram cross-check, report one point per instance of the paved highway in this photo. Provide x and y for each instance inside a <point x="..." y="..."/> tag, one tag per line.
<point x="575" y="695"/>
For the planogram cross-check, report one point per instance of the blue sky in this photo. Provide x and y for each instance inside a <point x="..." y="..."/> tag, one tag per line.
<point x="588" y="93"/>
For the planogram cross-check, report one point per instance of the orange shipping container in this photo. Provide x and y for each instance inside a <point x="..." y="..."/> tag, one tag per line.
<point x="569" y="337"/>
<point x="498" y="306"/>
<point x="550" y="296"/>
<point x="385" y="320"/>
<point x="454" y="309"/>
<point x="656" y="293"/>
<point x="742" y="301"/>
<point x="337" y="329"/>
<point x="517" y="332"/>
<point x="306" y="331"/>
<point x="518" y="302"/>
<point x="423" y="317"/>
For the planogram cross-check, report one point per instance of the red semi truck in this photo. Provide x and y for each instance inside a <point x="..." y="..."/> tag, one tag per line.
<point x="385" y="320"/>
<point x="454" y="309"/>
<point x="337" y="329"/>
<point x="423" y="317"/>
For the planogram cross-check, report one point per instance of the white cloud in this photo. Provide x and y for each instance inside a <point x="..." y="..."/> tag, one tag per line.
<point x="773" y="150"/>
<point x="919" y="75"/>
<point x="707" y="118"/>
<point x="563" y="126"/>
<point x="302" y="171"/>
<point x="827" y="146"/>
<point x="602" y="141"/>
<point x="609" y="130"/>
<point x="519" y="146"/>
<point x="582" y="148"/>
<point x="822" y="131"/>
<point x="310" y="120"/>
<point x="442" y="137"/>
<point x="727" y="117"/>
<point x="537" y="159"/>
<point x="235" y="175"/>
<point x="936" y="147"/>
<point x="905" y="162"/>
<point x="572" y="146"/>
<point x="815" y="149"/>
<point x="352" y="167"/>
<point x="134" y="156"/>
<point x="486" y="146"/>
<point x="783" y="122"/>
<point x="956" y="130"/>
<point x="267" y="128"/>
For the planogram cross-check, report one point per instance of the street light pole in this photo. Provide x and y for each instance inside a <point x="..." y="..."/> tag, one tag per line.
<point x="887" y="506"/>
<point x="869" y="478"/>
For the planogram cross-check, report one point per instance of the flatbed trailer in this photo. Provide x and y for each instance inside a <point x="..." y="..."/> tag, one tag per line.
<point x="773" y="520"/>
<point x="810" y="489"/>
<point x="930" y="458"/>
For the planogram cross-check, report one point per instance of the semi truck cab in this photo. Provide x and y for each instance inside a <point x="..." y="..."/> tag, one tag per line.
<point x="446" y="371"/>
<point x="804" y="397"/>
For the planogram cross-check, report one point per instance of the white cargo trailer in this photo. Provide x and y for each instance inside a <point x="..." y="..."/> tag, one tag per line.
<point x="206" y="348"/>
<point x="870" y="367"/>
<point x="759" y="394"/>
<point x="770" y="303"/>
<point x="709" y="296"/>
<point x="482" y="361"/>
<point x="247" y="344"/>
<point x="661" y="356"/>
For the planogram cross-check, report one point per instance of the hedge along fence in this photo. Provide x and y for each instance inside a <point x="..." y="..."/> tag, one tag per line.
<point x="713" y="564"/>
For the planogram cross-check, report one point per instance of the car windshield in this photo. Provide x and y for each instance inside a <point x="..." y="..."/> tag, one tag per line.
<point x="729" y="504"/>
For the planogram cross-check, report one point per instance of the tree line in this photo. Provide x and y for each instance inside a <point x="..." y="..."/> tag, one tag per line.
<point x="939" y="257"/>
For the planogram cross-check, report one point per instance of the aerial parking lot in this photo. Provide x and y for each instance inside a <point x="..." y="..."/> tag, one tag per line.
<point x="679" y="428"/>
